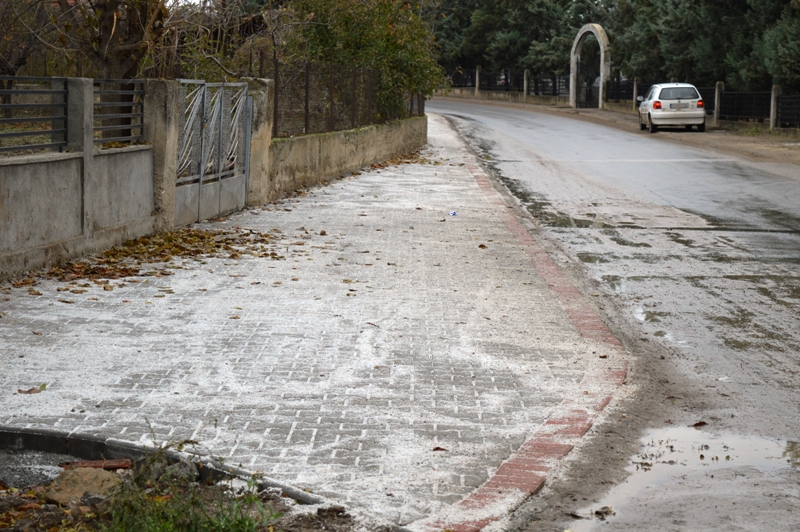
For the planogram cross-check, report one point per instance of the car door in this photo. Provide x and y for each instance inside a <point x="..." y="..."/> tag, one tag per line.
<point x="644" y="106"/>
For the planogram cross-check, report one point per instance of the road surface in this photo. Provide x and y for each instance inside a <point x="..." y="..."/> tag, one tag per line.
<point x="693" y="256"/>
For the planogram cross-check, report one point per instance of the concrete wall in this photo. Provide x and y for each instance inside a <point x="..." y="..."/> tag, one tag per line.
<point x="312" y="159"/>
<point x="59" y="206"/>
<point x="123" y="196"/>
<point x="50" y="213"/>
<point x="40" y="202"/>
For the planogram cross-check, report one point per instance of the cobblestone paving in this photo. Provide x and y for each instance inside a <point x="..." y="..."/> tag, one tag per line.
<point x="392" y="328"/>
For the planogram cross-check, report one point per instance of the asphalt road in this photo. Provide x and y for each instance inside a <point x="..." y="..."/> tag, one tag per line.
<point x="694" y="257"/>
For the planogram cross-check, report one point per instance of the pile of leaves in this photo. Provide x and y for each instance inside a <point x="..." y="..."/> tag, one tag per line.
<point x="411" y="158"/>
<point x="135" y="257"/>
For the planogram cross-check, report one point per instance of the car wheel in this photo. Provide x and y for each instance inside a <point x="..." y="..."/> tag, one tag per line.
<point x="653" y="128"/>
<point x="642" y="125"/>
<point x="701" y="127"/>
<point x="688" y="128"/>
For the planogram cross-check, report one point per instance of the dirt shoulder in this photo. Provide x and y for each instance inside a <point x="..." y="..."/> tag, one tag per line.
<point x="782" y="147"/>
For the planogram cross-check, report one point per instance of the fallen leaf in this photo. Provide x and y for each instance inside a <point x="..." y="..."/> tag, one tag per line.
<point x="234" y="318"/>
<point x="108" y="287"/>
<point x="34" y="292"/>
<point x="33" y="390"/>
<point x="37" y="333"/>
<point x="439" y="449"/>
<point x="699" y="424"/>
<point x="482" y="246"/>
<point x="67" y="301"/>
<point x="30" y="506"/>
<point x="323" y="233"/>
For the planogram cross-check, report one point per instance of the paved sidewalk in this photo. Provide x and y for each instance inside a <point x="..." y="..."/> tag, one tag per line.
<point x="391" y="329"/>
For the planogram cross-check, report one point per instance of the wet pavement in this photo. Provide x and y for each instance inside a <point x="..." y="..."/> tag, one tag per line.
<point x="697" y="254"/>
<point x="390" y="352"/>
<point x="717" y="471"/>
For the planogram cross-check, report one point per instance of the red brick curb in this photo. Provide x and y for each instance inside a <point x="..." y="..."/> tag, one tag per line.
<point x="525" y="472"/>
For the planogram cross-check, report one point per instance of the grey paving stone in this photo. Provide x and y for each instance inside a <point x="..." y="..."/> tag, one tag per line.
<point x="399" y="335"/>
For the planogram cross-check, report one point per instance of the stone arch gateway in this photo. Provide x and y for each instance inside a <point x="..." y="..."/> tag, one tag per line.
<point x="575" y="57"/>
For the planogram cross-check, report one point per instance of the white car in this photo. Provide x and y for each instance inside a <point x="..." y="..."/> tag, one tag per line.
<point x="672" y="104"/>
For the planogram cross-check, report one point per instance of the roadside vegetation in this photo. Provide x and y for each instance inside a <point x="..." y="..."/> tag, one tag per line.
<point x="154" y="496"/>
<point x="222" y="40"/>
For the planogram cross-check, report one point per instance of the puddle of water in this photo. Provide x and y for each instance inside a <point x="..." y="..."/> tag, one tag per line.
<point x="672" y="453"/>
<point x="592" y="258"/>
<point x="649" y="316"/>
<point x="680" y="239"/>
<point x="630" y="243"/>
<point x="615" y="282"/>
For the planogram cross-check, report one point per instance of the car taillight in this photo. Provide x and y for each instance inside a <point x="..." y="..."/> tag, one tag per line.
<point x="656" y="105"/>
<point x="700" y="104"/>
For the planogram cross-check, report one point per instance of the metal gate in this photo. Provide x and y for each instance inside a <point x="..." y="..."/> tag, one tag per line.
<point x="588" y="91"/>
<point x="213" y="150"/>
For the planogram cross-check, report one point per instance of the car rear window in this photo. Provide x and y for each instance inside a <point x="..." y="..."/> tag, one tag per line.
<point x="679" y="93"/>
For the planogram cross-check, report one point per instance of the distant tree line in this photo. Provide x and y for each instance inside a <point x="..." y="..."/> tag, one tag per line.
<point x="749" y="44"/>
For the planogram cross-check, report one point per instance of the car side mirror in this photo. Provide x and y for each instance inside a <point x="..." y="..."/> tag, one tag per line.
<point x="640" y="99"/>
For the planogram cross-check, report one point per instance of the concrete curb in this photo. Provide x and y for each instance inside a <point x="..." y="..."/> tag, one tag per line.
<point x="525" y="472"/>
<point x="91" y="447"/>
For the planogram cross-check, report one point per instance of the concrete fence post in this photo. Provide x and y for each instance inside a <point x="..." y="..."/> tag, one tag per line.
<point x="163" y="109"/>
<point x="526" y="77"/>
<point x="635" y="94"/>
<point x="718" y="90"/>
<point x="773" y="107"/>
<point x="477" y="81"/>
<point x="80" y="138"/>
<point x="258" y="186"/>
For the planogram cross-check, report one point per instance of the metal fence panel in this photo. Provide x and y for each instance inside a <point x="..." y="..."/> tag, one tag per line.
<point x="321" y="97"/>
<point x="549" y="86"/>
<point x="118" y="112"/>
<point x="461" y="78"/>
<point x="503" y="80"/>
<point x="788" y="111"/>
<point x="745" y="105"/>
<point x="619" y="90"/>
<point x="33" y="113"/>
<point x="709" y="95"/>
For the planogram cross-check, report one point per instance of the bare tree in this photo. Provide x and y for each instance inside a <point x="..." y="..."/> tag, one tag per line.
<point x="17" y="43"/>
<point x="115" y="35"/>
